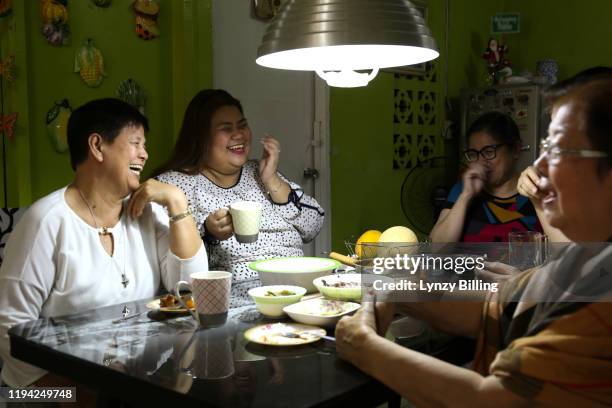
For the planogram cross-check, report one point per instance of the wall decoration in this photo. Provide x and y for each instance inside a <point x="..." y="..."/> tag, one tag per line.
<point x="7" y="68"/>
<point x="89" y="63"/>
<point x="265" y="9"/>
<point x="129" y="91"/>
<point x="102" y="3"/>
<point x="416" y="118"/>
<point x="497" y="64"/>
<point x="8" y="220"/>
<point x="57" y="125"/>
<point x="7" y="124"/>
<point x="146" y="12"/>
<point x="54" y="14"/>
<point x="6" y="7"/>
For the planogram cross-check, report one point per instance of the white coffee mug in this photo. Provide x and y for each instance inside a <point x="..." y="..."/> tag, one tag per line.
<point x="246" y="218"/>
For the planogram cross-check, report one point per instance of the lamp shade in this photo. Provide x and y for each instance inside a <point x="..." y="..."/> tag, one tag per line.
<point x="344" y="36"/>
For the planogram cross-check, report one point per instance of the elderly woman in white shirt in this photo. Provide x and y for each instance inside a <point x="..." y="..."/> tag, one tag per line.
<point x="104" y="239"/>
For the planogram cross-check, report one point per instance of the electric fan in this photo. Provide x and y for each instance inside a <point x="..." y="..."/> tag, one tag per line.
<point x="424" y="192"/>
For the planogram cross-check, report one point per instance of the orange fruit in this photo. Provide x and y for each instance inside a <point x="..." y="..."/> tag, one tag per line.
<point x="369" y="237"/>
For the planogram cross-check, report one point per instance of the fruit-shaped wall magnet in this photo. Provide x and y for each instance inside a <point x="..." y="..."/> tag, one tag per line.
<point x="57" y="125"/>
<point x="54" y="15"/>
<point x="89" y="63"/>
<point x="6" y="7"/>
<point x="146" y="12"/>
<point x="102" y="3"/>
<point x="131" y="92"/>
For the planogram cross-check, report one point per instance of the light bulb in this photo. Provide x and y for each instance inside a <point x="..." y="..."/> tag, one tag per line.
<point x="347" y="78"/>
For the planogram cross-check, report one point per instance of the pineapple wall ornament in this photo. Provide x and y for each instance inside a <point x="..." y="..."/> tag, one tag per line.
<point x="146" y="12"/>
<point x="54" y="15"/>
<point x="89" y="63"/>
<point x="57" y="125"/>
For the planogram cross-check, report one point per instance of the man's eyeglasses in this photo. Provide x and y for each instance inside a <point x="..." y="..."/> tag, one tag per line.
<point x="488" y="152"/>
<point x="554" y="153"/>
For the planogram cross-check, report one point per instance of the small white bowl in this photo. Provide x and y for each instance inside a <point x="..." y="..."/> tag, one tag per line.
<point x="272" y="306"/>
<point x="319" y="312"/>
<point x="330" y="286"/>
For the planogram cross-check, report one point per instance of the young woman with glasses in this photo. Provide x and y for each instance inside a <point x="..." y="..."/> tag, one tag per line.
<point x="485" y="205"/>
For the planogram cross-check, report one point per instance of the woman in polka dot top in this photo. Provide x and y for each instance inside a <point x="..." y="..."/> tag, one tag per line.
<point x="210" y="164"/>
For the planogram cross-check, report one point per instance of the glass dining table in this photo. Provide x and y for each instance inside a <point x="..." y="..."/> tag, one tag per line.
<point x="161" y="358"/>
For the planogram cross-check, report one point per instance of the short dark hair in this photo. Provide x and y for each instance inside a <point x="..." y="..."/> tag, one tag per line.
<point x="593" y="88"/>
<point x="500" y="126"/>
<point x="562" y="88"/>
<point x="106" y="117"/>
<point x="191" y="149"/>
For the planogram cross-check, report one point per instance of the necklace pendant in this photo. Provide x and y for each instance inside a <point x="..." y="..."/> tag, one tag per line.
<point x="105" y="230"/>
<point x="124" y="280"/>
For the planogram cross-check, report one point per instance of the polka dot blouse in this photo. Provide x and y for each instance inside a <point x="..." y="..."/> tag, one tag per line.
<point x="284" y="227"/>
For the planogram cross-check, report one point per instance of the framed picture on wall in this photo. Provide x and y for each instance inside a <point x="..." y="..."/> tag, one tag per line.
<point x="417" y="69"/>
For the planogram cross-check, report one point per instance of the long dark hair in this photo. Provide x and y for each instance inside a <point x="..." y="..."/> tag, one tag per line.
<point x="191" y="149"/>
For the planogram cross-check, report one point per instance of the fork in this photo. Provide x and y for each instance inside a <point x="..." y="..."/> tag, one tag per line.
<point x="293" y="335"/>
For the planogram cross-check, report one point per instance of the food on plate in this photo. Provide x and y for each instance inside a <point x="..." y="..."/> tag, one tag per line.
<point x="341" y="284"/>
<point x="172" y="301"/>
<point x="283" y="292"/>
<point x="326" y="308"/>
<point x="284" y="334"/>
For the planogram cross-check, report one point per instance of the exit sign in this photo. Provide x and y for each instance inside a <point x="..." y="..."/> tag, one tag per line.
<point x="506" y="23"/>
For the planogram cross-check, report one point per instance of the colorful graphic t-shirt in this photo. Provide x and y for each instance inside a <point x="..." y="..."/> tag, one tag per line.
<point x="490" y="218"/>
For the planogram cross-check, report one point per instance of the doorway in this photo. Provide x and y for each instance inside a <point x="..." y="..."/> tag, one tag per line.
<point x="292" y="106"/>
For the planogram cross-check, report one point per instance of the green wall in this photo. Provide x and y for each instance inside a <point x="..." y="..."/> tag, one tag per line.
<point x="365" y="189"/>
<point x="170" y="69"/>
<point x="575" y="33"/>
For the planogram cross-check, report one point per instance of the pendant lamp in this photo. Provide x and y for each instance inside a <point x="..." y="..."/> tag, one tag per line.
<point x="337" y="38"/>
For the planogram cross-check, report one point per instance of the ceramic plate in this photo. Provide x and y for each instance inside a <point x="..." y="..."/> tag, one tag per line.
<point x="295" y="264"/>
<point x="272" y="334"/>
<point x="155" y="305"/>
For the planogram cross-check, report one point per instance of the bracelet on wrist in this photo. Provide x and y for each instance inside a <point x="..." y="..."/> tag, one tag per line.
<point x="180" y="216"/>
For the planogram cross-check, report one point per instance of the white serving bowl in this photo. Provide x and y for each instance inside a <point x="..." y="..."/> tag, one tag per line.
<point x="297" y="270"/>
<point x="272" y="306"/>
<point x="317" y="311"/>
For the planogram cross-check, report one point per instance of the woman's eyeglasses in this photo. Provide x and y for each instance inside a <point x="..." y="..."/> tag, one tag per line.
<point x="554" y="153"/>
<point x="488" y="152"/>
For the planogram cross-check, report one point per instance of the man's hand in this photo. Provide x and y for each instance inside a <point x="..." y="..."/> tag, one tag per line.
<point x="353" y="332"/>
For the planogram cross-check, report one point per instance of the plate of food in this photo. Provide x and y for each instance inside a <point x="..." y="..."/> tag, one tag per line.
<point x="170" y="304"/>
<point x="320" y="312"/>
<point x="284" y="334"/>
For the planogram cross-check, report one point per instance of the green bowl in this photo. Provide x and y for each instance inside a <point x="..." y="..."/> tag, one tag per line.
<point x="341" y="293"/>
<point x="296" y="270"/>
<point x="272" y="306"/>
